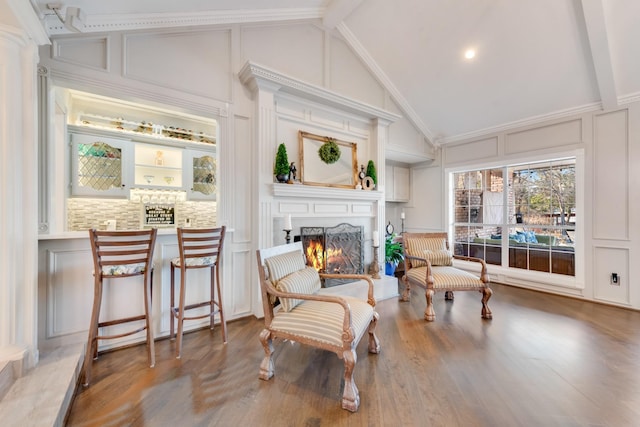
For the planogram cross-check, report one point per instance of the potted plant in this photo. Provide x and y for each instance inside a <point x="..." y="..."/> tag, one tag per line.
<point x="281" y="168"/>
<point x="393" y="254"/>
<point x="371" y="171"/>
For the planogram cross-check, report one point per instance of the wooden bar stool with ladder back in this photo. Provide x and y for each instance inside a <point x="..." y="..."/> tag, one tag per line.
<point x="199" y="248"/>
<point x="118" y="255"/>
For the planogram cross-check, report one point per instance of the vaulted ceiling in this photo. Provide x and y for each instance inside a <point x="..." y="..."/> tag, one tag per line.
<point x="534" y="60"/>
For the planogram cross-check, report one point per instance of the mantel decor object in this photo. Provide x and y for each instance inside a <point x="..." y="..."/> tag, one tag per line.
<point x="329" y="152"/>
<point x="322" y="165"/>
<point x="281" y="168"/>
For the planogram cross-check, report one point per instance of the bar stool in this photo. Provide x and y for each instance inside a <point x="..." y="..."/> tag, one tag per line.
<point x="199" y="248"/>
<point x="119" y="254"/>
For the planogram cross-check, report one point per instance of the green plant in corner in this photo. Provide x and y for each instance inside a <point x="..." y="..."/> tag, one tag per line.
<point x="371" y="171"/>
<point x="281" y="167"/>
<point x="393" y="252"/>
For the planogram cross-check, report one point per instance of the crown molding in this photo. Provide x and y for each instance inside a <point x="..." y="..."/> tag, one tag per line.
<point x="530" y="121"/>
<point x="127" y="22"/>
<point x="257" y="76"/>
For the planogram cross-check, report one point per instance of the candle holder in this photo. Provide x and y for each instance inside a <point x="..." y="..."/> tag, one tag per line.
<point x="287" y="236"/>
<point x="374" y="268"/>
<point x="402" y="219"/>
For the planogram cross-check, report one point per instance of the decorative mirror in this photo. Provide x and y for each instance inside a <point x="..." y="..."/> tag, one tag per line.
<point x="327" y="161"/>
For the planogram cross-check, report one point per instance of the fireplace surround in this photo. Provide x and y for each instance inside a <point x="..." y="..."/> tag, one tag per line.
<point x="335" y="250"/>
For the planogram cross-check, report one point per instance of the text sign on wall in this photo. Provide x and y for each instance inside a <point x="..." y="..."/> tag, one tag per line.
<point x="159" y="214"/>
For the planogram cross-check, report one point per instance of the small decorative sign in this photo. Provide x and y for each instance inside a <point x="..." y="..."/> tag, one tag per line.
<point x="155" y="215"/>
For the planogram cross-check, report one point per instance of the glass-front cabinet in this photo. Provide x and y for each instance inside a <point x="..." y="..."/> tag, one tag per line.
<point x="100" y="165"/>
<point x="201" y="169"/>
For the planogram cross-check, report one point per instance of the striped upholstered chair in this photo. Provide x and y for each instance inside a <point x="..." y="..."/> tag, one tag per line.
<point x="296" y="309"/>
<point x="428" y="263"/>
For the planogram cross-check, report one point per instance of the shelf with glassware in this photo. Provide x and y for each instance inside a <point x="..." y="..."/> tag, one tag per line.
<point x="158" y="167"/>
<point x="135" y="129"/>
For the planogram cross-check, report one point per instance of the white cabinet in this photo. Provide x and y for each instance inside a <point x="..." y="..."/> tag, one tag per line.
<point x="100" y="166"/>
<point x="201" y="175"/>
<point x="397" y="184"/>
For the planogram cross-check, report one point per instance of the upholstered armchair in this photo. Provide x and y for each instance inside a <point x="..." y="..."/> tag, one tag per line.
<point x="296" y="309"/>
<point x="429" y="264"/>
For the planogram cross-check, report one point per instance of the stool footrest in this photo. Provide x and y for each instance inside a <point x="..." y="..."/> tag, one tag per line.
<point x="119" y="321"/>
<point x="124" y="334"/>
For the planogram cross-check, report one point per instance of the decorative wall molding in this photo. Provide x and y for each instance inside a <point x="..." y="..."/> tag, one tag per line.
<point x="255" y="76"/>
<point x="317" y="192"/>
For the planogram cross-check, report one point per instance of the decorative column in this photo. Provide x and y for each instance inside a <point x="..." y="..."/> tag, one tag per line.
<point x="19" y="200"/>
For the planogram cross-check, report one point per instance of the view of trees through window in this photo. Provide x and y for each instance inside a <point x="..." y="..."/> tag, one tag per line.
<point x="528" y="209"/>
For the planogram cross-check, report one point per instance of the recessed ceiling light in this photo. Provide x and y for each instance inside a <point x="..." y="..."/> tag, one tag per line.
<point x="470" y="53"/>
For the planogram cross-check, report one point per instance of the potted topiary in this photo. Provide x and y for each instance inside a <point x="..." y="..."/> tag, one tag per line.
<point x="281" y="167"/>
<point x="393" y="254"/>
<point x="371" y="171"/>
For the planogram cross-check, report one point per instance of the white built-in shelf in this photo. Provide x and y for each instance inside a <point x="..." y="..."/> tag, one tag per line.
<point x="127" y="127"/>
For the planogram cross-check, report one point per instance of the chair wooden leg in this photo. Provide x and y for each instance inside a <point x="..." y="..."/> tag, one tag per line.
<point x="223" y="322"/>
<point x="151" y="351"/>
<point x="406" y="293"/>
<point x="429" y="312"/>
<point x="350" y="396"/>
<point x="172" y="314"/>
<point x="374" y="344"/>
<point x="181" y="313"/>
<point x="486" y="311"/>
<point x="266" y="367"/>
<point x="92" y="341"/>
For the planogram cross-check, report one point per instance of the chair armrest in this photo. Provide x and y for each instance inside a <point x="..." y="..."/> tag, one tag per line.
<point x="483" y="274"/>
<point x="429" y="275"/>
<point x="370" y="299"/>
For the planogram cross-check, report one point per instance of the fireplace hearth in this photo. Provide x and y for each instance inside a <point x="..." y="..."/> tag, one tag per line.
<point x="335" y="250"/>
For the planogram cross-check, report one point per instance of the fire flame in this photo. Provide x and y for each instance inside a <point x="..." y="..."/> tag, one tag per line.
<point x="315" y="255"/>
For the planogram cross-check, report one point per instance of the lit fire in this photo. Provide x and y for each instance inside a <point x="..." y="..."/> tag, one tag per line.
<point x="315" y="255"/>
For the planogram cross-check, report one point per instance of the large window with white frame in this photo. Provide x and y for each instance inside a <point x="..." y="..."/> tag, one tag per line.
<point x="521" y="216"/>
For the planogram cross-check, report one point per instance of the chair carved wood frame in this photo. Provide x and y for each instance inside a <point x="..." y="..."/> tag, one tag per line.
<point x="328" y="322"/>
<point x="420" y="271"/>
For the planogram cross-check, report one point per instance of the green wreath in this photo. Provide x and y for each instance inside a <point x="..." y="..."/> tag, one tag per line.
<point x="329" y="152"/>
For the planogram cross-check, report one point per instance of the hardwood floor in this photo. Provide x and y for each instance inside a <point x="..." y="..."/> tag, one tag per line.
<point x="543" y="360"/>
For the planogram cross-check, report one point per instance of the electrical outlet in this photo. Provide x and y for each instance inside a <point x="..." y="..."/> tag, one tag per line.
<point x="615" y="279"/>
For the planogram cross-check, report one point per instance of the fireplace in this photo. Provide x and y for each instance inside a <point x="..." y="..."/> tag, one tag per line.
<point x="336" y="250"/>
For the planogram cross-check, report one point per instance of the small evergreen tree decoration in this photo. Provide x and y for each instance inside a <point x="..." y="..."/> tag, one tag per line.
<point x="371" y="171"/>
<point x="281" y="167"/>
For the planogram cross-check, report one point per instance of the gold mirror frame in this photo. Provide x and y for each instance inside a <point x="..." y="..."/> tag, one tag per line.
<point x="313" y="171"/>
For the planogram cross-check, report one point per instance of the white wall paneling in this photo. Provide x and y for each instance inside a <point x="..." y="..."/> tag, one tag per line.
<point x="610" y="260"/>
<point x="91" y="52"/>
<point x="541" y="137"/>
<point x="157" y="58"/>
<point x="479" y="149"/>
<point x="611" y="176"/>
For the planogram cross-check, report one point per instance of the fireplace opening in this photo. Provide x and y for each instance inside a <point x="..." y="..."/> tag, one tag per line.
<point x="335" y="250"/>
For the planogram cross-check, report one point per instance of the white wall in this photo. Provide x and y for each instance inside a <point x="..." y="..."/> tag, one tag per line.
<point x="608" y="144"/>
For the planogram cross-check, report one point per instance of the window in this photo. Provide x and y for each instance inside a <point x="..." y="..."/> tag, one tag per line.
<point x="527" y="211"/>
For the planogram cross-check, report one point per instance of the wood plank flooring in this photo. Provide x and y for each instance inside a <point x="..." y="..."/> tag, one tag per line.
<point x="543" y="360"/>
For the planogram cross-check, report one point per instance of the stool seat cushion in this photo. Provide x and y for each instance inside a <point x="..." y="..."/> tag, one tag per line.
<point x="123" y="269"/>
<point x="195" y="262"/>
<point x="321" y="321"/>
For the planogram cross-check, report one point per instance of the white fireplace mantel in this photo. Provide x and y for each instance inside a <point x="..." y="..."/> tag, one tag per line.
<point x="317" y="192"/>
